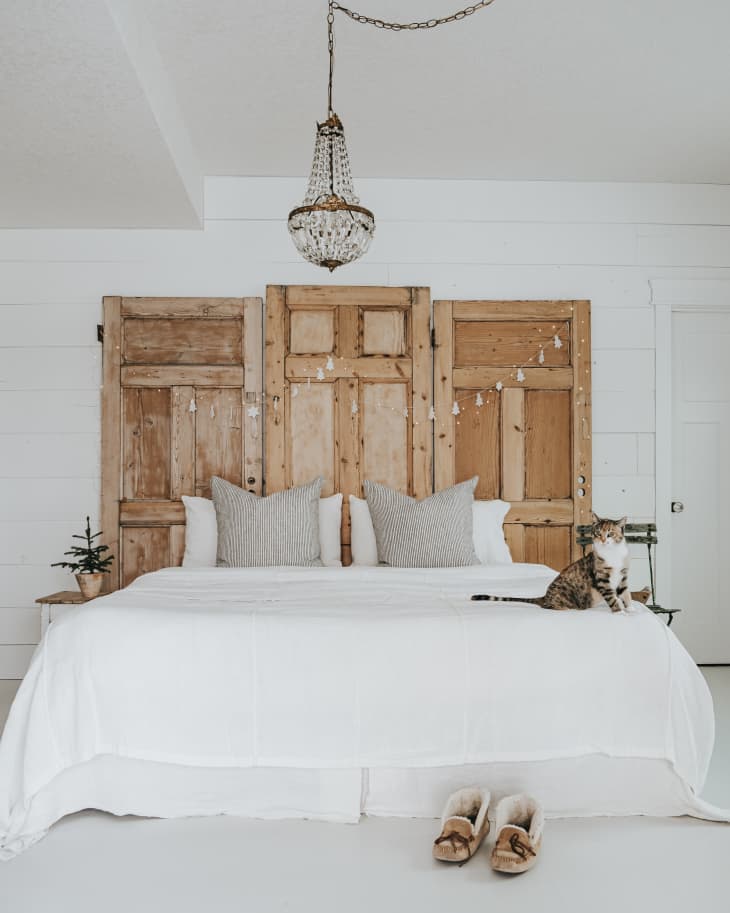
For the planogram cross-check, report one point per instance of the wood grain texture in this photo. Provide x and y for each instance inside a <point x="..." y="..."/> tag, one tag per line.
<point x="182" y="375"/>
<point x="275" y="349"/>
<point x="548" y="444"/>
<point x="312" y="332"/>
<point x="513" y="445"/>
<point x="582" y="418"/>
<point x="312" y="437"/>
<point x="549" y="545"/>
<point x="385" y="332"/>
<point x="513" y="310"/>
<point x="477" y="444"/>
<point x="385" y="435"/>
<point x="218" y="437"/>
<point x="420" y="427"/>
<point x="182" y="307"/>
<point x="444" y="395"/>
<point x="111" y="425"/>
<point x="338" y="296"/>
<point x="143" y="551"/>
<point x="507" y="342"/>
<point x="146" y="443"/>
<point x="480" y="378"/>
<point x="151" y="513"/>
<point x="182" y="444"/>
<point x="187" y="340"/>
<point x="253" y="431"/>
<point x="304" y="366"/>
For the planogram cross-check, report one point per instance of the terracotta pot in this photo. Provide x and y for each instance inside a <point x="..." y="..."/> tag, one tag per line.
<point x="90" y="584"/>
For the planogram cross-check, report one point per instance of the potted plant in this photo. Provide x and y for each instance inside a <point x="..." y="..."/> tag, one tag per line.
<point x="89" y="565"/>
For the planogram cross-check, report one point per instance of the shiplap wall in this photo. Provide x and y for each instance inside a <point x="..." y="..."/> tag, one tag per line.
<point x="615" y="244"/>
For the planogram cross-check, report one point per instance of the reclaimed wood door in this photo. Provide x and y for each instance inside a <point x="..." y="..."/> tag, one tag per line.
<point x="512" y="383"/>
<point x="348" y="389"/>
<point x="179" y="375"/>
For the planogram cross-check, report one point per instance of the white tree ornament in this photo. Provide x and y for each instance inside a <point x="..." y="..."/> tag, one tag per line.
<point x="455" y="409"/>
<point x="479" y="400"/>
<point x="520" y="375"/>
<point x="499" y="386"/>
<point x="431" y="414"/>
<point x="320" y="374"/>
<point x="541" y="357"/>
<point x="354" y="408"/>
<point x="557" y="342"/>
<point x="192" y="407"/>
<point x="405" y="412"/>
<point x="330" y="364"/>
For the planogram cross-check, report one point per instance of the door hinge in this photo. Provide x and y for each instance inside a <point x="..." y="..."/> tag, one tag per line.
<point x="100" y="332"/>
<point x="433" y="337"/>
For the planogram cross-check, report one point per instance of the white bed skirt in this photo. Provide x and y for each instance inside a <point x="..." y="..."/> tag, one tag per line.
<point x="574" y="787"/>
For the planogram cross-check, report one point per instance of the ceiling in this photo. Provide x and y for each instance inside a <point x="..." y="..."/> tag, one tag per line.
<point x="113" y="110"/>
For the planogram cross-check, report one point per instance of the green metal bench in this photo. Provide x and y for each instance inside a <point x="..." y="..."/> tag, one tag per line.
<point x="635" y="534"/>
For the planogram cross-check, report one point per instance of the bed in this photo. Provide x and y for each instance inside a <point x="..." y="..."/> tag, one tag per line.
<point x="331" y="692"/>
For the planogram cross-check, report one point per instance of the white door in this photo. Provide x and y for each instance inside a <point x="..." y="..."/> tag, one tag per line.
<point x="701" y="483"/>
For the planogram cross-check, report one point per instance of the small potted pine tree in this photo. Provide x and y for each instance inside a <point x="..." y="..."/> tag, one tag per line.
<point x="89" y="564"/>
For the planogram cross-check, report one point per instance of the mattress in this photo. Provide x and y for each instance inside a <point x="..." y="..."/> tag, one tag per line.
<point x="390" y="671"/>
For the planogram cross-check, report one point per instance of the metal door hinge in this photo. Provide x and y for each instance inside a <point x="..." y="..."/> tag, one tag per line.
<point x="100" y="332"/>
<point x="433" y="338"/>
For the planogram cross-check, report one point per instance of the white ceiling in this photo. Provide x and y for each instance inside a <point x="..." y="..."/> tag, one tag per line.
<point x="112" y="110"/>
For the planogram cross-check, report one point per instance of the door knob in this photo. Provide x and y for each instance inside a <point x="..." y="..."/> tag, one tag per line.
<point x="677" y="507"/>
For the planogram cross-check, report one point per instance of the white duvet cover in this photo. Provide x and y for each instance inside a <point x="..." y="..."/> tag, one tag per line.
<point x="313" y="668"/>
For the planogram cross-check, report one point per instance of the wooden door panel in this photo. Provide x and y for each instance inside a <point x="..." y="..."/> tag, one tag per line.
<point x="349" y="389"/>
<point x="144" y="549"/>
<point x="548" y="444"/>
<point x="507" y="342"/>
<point x="530" y="441"/>
<point x="218" y="437"/>
<point x="385" y="437"/>
<point x="182" y="340"/>
<point x="147" y="434"/>
<point x="312" y="416"/>
<point x="477" y="444"/>
<point x="178" y="376"/>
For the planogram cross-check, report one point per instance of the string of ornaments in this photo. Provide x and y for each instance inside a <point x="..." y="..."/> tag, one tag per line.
<point x="253" y="411"/>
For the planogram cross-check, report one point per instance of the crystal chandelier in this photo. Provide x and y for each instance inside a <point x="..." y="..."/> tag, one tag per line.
<point x="330" y="227"/>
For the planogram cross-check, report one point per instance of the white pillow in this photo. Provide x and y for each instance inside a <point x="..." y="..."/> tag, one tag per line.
<point x="489" y="542"/>
<point x="362" y="534"/>
<point x="201" y="531"/>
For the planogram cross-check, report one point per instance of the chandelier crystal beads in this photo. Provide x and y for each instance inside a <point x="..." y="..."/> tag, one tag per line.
<point x="330" y="228"/>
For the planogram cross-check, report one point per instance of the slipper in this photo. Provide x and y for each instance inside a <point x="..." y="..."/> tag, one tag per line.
<point x="464" y="824"/>
<point x="519" y="822"/>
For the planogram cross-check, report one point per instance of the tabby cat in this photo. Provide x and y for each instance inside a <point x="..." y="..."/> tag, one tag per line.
<point x="600" y="575"/>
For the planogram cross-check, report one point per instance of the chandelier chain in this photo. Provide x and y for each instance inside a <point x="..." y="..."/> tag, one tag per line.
<point x="331" y="49"/>
<point x="409" y="26"/>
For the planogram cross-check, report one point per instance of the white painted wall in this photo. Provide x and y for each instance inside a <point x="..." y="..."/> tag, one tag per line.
<point x="615" y="244"/>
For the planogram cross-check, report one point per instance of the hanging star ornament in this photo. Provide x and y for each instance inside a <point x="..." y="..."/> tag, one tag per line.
<point x="253" y="411"/>
<point x="499" y="386"/>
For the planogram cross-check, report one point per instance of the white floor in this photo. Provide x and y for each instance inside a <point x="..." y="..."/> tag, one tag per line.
<point x="92" y="862"/>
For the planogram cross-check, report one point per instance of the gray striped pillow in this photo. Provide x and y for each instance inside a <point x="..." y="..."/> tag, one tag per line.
<point x="435" y="532"/>
<point x="279" y="530"/>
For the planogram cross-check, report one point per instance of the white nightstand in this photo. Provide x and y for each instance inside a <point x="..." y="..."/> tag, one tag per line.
<point x="56" y="604"/>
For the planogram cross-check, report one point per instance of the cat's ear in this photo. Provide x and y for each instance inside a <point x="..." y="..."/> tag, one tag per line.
<point x="622" y="522"/>
<point x="595" y="517"/>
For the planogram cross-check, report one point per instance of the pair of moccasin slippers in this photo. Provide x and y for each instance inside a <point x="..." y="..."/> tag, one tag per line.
<point x="519" y="823"/>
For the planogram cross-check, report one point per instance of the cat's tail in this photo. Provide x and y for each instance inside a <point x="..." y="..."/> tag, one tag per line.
<point x="540" y="600"/>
